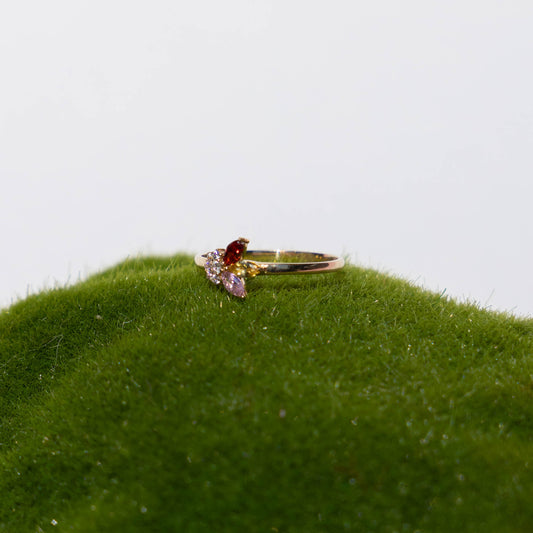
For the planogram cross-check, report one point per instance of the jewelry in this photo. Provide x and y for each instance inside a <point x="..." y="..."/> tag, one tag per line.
<point x="233" y="265"/>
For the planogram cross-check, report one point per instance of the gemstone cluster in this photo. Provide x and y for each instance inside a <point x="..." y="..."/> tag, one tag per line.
<point x="226" y="267"/>
<point x="214" y="265"/>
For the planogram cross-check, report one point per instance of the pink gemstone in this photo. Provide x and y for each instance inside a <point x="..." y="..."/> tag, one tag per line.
<point x="234" y="285"/>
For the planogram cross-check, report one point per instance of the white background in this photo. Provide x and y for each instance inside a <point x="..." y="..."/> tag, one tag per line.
<point x="400" y="133"/>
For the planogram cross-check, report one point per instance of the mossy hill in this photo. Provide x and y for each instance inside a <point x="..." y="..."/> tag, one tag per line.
<point x="147" y="399"/>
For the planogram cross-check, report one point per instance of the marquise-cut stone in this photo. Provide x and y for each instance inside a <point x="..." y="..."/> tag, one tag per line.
<point x="213" y="266"/>
<point x="234" y="285"/>
<point x="235" y="251"/>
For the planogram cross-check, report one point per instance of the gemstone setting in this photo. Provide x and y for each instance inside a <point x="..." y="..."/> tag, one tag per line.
<point x="228" y="268"/>
<point x="233" y="284"/>
<point x="235" y="251"/>
<point x="214" y="265"/>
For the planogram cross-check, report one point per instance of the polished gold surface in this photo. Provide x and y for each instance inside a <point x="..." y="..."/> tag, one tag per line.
<point x="282" y="262"/>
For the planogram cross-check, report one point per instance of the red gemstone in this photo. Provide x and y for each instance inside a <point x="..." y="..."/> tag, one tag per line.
<point x="235" y="251"/>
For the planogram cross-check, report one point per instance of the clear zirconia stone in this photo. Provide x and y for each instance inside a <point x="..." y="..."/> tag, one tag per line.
<point x="234" y="285"/>
<point x="213" y="265"/>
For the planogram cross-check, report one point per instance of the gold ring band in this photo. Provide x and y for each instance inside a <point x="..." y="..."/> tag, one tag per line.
<point x="233" y="265"/>
<point x="273" y="262"/>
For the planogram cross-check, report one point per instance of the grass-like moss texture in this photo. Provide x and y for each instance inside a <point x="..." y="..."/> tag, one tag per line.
<point x="147" y="399"/>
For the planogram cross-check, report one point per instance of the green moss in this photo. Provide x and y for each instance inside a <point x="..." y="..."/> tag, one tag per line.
<point x="146" y="399"/>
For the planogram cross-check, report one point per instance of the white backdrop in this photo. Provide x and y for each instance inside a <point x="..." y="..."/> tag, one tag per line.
<point x="400" y="133"/>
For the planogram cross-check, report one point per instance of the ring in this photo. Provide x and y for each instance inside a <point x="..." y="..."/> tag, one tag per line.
<point x="234" y="264"/>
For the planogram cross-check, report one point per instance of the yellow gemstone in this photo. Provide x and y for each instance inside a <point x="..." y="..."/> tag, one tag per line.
<point x="238" y="269"/>
<point x="244" y="269"/>
<point x="252" y="269"/>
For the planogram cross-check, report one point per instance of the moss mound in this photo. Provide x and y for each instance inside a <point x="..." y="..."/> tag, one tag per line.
<point x="146" y="399"/>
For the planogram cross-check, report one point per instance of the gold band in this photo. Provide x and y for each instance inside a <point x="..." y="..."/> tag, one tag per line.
<point x="232" y="266"/>
<point x="286" y="261"/>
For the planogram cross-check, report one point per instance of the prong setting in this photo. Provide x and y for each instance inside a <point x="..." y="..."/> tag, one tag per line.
<point x="226" y="267"/>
